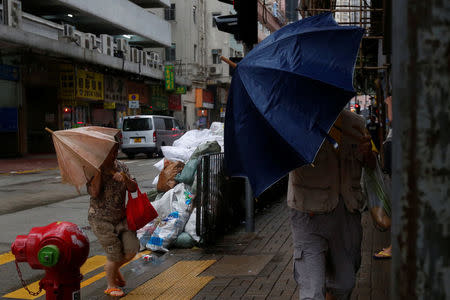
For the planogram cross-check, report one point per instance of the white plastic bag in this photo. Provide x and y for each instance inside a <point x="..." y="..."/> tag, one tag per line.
<point x="159" y="165"/>
<point x="191" y="225"/>
<point x="217" y="128"/>
<point x="176" y="153"/>
<point x="171" y="226"/>
<point x="144" y="234"/>
<point x="164" y="205"/>
<point x="155" y="181"/>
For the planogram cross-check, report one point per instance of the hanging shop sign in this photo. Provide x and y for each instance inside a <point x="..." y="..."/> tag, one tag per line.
<point x="204" y="98"/>
<point x="174" y="102"/>
<point x="109" y="105"/>
<point x="169" y="76"/>
<point x="138" y="89"/>
<point x="133" y="104"/>
<point x="9" y="72"/>
<point x="180" y="90"/>
<point x="89" y="85"/>
<point x="133" y="97"/>
<point x="159" y="98"/>
<point x="115" y="89"/>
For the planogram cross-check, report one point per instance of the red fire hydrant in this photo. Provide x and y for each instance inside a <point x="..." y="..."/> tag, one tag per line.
<point x="59" y="248"/>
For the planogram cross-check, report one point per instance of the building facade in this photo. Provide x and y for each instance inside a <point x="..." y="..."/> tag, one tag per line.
<point x="70" y="63"/>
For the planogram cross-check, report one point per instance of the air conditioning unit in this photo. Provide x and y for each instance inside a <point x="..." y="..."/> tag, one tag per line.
<point x="145" y="59"/>
<point x="107" y="44"/>
<point x="69" y="31"/>
<point x="13" y="13"/>
<point x="151" y="59"/>
<point x="136" y="55"/>
<point x="88" y="41"/>
<point x="215" y="70"/>
<point x="122" y="45"/>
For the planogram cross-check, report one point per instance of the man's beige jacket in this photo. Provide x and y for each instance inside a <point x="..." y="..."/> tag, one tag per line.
<point x="316" y="189"/>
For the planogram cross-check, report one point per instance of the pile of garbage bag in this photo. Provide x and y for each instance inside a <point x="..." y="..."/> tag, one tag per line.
<point x="175" y="190"/>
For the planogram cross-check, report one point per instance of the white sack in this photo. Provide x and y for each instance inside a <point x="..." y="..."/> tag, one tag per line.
<point x="159" y="165"/>
<point x="191" y="225"/>
<point x="171" y="226"/>
<point x="176" y="153"/>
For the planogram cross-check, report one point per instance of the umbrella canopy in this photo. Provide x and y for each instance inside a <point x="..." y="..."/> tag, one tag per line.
<point x="285" y="95"/>
<point x="81" y="152"/>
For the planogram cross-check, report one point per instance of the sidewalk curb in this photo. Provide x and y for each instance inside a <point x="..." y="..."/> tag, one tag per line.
<point x="27" y="171"/>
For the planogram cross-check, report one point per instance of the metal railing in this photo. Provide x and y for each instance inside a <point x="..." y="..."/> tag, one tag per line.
<point x="219" y="199"/>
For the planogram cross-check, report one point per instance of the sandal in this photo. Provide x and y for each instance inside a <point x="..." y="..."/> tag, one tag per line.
<point x="114" y="292"/>
<point x="382" y="255"/>
<point x="121" y="283"/>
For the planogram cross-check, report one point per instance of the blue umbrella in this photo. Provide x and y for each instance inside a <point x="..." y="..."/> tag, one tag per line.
<point x="284" y="97"/>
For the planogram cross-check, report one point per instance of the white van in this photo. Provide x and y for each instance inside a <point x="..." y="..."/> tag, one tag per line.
<point x="147" y="133"/>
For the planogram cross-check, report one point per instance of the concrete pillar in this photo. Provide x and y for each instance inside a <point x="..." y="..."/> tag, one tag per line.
<point x="421" y="150"/>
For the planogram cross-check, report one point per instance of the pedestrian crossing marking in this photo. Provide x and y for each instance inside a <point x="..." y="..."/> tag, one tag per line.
<point x="90" y="265"/>
<point x="178" y="282"/>
<point x="6" y="258"/>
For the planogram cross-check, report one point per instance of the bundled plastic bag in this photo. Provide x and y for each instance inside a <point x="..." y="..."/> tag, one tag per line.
<point x="206" y="148"/>
<point x="144" y="234"/>
<point x="191" y="226"/>
<point x="171" y="226"/>
<point x="188" y="174"/>
<point x="176" y="153"/>
<point x="166" y="180"/>
<point x="160" y="165"/>
<point x="164" y="205"/>
<point x="378" y="197"/>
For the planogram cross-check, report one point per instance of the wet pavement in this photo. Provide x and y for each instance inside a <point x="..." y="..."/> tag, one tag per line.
<point x="239" y="265"/>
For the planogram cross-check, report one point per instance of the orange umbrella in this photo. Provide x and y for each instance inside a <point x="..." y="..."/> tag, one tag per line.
<point x="81" y="152"/>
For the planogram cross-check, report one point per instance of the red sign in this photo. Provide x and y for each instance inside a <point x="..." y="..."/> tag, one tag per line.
<point x="140" y="89"/>
<point x="174" y="102"/>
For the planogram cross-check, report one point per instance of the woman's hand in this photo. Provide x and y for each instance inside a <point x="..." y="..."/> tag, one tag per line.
<point x="119" y="177"/>
<point x="123" y="177"/>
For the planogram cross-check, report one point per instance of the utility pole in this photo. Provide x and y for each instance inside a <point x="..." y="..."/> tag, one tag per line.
<point x="421" y="150"/>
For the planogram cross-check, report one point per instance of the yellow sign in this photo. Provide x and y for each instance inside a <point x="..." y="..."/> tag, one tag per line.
<point x="169" y="77"/>
<point x="89" y="85"/>
<point x="109" y="105"/>
<point x="133" y="97"/>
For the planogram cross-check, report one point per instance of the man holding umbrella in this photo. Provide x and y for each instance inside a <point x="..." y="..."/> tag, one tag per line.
<point x="285" y="116"/>
<point x="325" y="202"/>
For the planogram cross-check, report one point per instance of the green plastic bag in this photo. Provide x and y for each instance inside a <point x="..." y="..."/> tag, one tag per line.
<point x="188" y="173"/>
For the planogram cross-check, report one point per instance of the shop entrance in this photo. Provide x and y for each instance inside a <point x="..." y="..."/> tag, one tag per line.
<point x="41" y="112"/>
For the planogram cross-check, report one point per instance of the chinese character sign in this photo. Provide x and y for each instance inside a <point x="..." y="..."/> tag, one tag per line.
<point x="89" y="85"/>
<point x="169" y="77"/>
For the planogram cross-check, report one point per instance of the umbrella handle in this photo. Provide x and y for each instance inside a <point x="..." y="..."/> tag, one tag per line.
<point x="48" y="129"/>
<point x="232" y="64"/>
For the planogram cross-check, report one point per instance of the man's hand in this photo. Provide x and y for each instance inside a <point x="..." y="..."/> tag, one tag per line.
<point x="365" y="148"/>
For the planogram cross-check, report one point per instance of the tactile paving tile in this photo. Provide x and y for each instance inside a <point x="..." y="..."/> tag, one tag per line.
<point x="178" y="282"/>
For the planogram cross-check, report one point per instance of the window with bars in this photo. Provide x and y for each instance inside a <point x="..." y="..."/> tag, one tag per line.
<point x="171" y="53"/>
<point x="169" y="13"/>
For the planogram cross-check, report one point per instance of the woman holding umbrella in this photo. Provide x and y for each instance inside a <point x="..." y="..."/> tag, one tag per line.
<point x="88" y="155"/>
<point x="107" y="217"/>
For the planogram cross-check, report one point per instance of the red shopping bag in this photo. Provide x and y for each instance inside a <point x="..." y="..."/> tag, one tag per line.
<point x="139" y="211"/>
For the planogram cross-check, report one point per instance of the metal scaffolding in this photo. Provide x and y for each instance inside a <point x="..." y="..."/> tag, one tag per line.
<point x="367" y="14"/>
